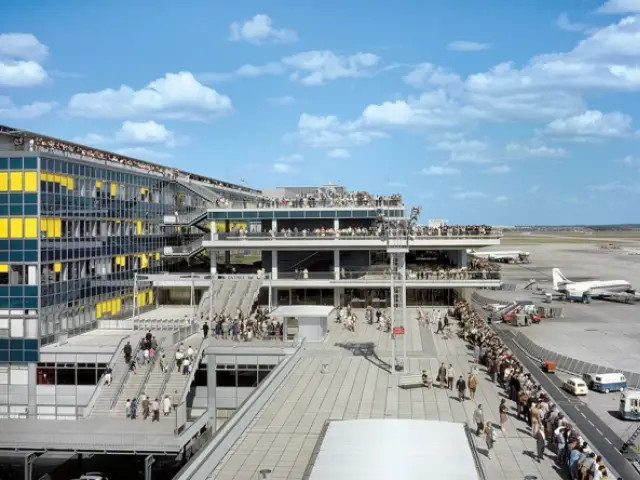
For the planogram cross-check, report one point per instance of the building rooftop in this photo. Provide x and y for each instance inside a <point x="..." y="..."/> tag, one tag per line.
<point x="284" y="434"/>
<point x="30" y="141"/>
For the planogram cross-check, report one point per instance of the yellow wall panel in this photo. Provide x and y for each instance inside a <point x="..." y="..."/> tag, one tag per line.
<point x="57" y="267"/>
<point x="57" y="178"/>
<point x="30" y="181"/>
<point x="139" y="227"/>
<point x="4" y="268"/>
<point x="16" y="181"/>
<point x="4" y="181"/>
<point x="98" y="183"/>
<point x="64" y="181"/>
<point x="4" y="228"/>
<point x="43" y="224"/>
<point x="17" y="227"/>
<point x="30" y="228"/>
<point x="114" y="189"/>
<point x="98" y="310"/>
<point x="57" y="228"/>
<point x="70" y="183"/>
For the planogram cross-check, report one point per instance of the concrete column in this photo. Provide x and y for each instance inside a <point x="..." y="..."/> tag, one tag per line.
<point x="274" y="265"/>
<point x="336" y="264"/>
<point x="336" y="296"/>
<point x="227" y="257"/>
<point x="32" y="372"/>
<point x="213" y="226"/>
<point x="211" y="389"/>
<point x="274" y="225"/>
<point x="336" y="224"/>
<point x="463" y="258"/>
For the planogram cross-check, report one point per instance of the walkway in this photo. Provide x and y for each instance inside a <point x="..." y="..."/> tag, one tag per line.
<point x="283" y="435"/>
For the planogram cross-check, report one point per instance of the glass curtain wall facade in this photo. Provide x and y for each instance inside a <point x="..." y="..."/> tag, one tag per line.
<point x="72" y="236"/>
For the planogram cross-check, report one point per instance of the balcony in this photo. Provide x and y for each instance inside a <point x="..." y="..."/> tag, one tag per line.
<point x="380" y="277"/>
<point x="288" y="204"/>
<point x="331" y="240"/>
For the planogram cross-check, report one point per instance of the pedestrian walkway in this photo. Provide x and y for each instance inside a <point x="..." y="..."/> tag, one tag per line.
<point x="512" y="453"/>
<point x="284" y="433"/>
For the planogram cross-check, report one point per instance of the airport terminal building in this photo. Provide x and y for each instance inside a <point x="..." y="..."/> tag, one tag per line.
<point x="96" y="249"/>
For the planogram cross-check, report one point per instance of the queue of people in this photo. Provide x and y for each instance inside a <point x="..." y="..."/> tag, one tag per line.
<point x="240" y="329"/>
<point x="548" y="425"/>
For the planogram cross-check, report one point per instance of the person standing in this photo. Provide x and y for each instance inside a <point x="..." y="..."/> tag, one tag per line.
<point x="478" y="417"/>
<point x="490" y="437"/>
<point x="540" y="444"/>
<point x="442" y="376"/>
<point x="472" y="383"/>
<point x="451" y="375"/>
<point x="461" y="385"/>
<point x="502" y="409"/>
<point x="205" y="330"/>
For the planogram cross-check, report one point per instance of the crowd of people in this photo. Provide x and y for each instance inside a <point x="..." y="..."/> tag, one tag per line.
<point x="549" y="426"/>
<point x="240" y="329"/>
<point x="346" y="316"/>
<point x="330" y="198"/>
<point x="33" y="143"/>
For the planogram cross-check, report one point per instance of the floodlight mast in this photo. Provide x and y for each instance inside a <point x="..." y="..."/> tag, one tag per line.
<point x="398" y="234"/>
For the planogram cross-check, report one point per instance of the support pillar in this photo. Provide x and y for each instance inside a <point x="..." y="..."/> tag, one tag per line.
<point x="463" y="258"/>
<point x="148" y="464"/>
<point x="336" y="224"/>
<point x="227" y="257"/>
<point x="274" y="265"/>
<point x="336" y="297"/>
<point x="29" y="460"/>
<point x="211" y="391"/>
<point x="32" y="372"/>
<point x="274" y="225"/>
<point x="336" y="264"/>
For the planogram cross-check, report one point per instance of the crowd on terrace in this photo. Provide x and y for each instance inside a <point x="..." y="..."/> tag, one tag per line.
<point x="377" y="231"/>
<point x="532" y="405"/>
<point x="239" y="328"/>
<point x="329" y="198"/>
<point x="32" y="142"/>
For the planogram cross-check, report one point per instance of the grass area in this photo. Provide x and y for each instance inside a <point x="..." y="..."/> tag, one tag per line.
<point x="530" y="240"/>
<point x="595" y="235"/>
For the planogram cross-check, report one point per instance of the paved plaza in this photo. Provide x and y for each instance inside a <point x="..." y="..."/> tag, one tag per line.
<point x="283" y="435"/>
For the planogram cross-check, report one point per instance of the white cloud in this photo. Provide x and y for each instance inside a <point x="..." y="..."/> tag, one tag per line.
<point x="498" y="170"/>
<point x="615" y="186"/>
<point x="20" y="57"/>
<point x="534" y="189"/>
<point x="175" y="96"/>
<point x="463" y="195"/>
<point x="440" y="170"/>
<point x="282" y="101"/>
<point x="318" y="67"/>
<point x="260" y="30"/>
<point x="629" y="161"/>
<point x="91" y="139"/>
<point x="620" y="6"/>
<point x="22" y="45"/>
<point x="564" y="23"/>
<point x="339" y="153"/>
<point x="592" y="124"/>
<point x="287" y="164"/>
<point x="502" y="198"/>
<point x="514" y="149"/>
<point x="245" y="71"/>
<point x="428" y="74"/>
<point x="329" y="132"/>
<point x="143" y="153"/>
<point x="464" y="46"/>
<point x="9" y="110"/>
<point x="150" y="133"/>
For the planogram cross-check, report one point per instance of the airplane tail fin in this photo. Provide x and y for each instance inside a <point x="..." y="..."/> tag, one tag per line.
<point x="559" y="279"/>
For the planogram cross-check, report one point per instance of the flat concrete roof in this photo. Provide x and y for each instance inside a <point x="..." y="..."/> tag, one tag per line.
<point x="394" y="448"/>
<point x="167" y="311"/>
<point x="283" y="435"/>
<point x="602" y="332"/>
<point x="95" y="341"/>
<point x="302" y="311"/>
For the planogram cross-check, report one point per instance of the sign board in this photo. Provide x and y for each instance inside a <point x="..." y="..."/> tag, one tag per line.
<point x="398" y="330"/>
<point x="238" y="277"/>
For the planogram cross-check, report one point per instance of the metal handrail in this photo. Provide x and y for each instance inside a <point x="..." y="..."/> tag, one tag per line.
<point x="123" y="382"/>
<point x="86" y="410"/>
<point x="150" y="368"/>
<point x="195" y="364"/>
<point x="345" y="236"/>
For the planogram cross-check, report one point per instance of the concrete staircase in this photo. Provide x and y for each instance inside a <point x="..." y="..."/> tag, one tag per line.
<point x="178" y="381"/>
<point x="222" y="298"/>
<point x="108" y="394"/>
<point x="250" y="297"/>
<point x="235" y="300"/>
<point x="153" y="387"/>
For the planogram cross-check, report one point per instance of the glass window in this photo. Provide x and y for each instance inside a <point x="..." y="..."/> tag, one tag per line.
<point x="15" y="163"/>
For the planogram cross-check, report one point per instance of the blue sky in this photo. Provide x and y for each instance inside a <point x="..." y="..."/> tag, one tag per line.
<point x="481" y="112"/>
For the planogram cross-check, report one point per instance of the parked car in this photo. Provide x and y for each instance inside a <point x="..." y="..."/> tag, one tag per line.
<point x="589" y="378"/>
<point x="575" y="386"/>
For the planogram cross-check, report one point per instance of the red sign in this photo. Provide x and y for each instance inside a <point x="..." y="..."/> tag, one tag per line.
<point x="398" y="330"/>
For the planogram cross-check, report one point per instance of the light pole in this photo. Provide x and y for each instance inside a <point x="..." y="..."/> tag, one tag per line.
<point x="135" y="300"/>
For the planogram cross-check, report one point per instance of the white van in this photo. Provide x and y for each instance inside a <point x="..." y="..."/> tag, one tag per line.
<point x="609" y="382"/>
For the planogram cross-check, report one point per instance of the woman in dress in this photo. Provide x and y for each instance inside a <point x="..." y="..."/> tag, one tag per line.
<point x="503" y="416"/>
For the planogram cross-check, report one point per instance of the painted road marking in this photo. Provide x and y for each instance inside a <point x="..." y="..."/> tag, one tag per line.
<point x="608" y="441"/>
<point x="598" y="430"/>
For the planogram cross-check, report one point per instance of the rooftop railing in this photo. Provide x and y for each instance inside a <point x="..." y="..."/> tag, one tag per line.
<point x="377" y="275"/>
<point x="356" y="235"/>
<point x="271" y="204"/>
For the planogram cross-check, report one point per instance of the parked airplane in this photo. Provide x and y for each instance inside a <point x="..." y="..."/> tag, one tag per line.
<point x="514" y="256"/>
<point x="591" y="288"/>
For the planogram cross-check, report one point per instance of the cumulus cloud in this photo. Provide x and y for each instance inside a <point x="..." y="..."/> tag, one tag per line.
<point x="21" y="55"/>
<point x="288" y="164"/>
<point x="620" y="7"/>
<point x="514" y="149"/>
<point x="502" y="198"/>
<point x="591" y="125"/>
<point x="564" y="23"/>
<point x="174" y="96"/>
<point x="145" y="133"/>
<point x="440" y="170"/>
<point x="339" y="153"/>
<point x="245" y="71"/>
<point x="329" y="132"/>
<point x="463" y="195"/>
<point x="465" y="46"/>
<point x="260" y="30"/>
<point x="11" y="111"/>
<point x="498" y="170"/>
<point x="319" y="67"/>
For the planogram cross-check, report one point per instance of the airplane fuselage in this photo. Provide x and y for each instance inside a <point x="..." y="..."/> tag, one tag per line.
<point x="596" y="288"/>
<point x="498" y="254"/>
